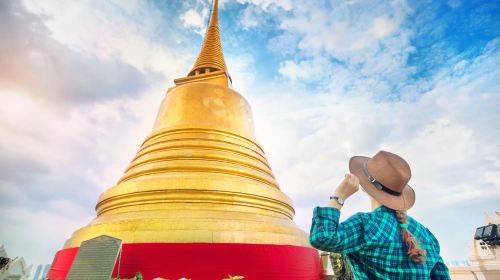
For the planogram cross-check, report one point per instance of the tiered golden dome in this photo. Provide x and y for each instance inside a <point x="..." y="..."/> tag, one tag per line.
<point x="200" y="176"/>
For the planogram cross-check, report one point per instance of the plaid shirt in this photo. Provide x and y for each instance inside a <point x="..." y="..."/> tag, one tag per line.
<point x="373" y="245"/>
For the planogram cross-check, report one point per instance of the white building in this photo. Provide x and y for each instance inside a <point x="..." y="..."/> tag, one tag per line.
<point x="484" y="257"/>
<point x="12" y="268"/>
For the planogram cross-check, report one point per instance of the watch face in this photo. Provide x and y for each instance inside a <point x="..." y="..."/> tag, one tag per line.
<point x="340" y="200"/>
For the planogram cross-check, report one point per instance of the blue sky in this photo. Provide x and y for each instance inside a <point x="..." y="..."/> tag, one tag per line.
<point x="81" y="82"/>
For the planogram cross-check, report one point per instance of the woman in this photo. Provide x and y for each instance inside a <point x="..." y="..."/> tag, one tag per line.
<point x="384" y="243"/>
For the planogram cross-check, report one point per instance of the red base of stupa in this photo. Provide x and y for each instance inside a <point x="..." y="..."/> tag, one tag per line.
<point x="206" y="261"/>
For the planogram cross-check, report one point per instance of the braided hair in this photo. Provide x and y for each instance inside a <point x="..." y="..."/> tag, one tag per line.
<point x="416" y="253"/>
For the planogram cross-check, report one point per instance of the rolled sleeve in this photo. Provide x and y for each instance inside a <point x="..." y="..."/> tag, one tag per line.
<point x="326" y="213"/>
<point x="328" y="234"/>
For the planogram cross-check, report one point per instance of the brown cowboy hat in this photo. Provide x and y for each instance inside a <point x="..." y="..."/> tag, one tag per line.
<point x="385" y="177"/>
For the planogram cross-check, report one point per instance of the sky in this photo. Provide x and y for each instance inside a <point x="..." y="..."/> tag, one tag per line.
<point x="81" y="82"/>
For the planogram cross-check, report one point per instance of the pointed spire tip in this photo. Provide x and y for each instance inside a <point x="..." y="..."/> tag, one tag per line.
<point x="211" y="57"/>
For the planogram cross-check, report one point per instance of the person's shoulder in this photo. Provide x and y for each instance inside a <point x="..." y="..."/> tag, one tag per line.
<point x="432" y="237"/>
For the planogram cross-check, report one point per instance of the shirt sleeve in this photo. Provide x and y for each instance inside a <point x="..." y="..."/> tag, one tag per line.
<point x="440" y="271"/>
<point x="327" y="234"/>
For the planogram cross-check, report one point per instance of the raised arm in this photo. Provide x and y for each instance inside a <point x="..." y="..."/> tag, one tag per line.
<point x="327" y="233"/>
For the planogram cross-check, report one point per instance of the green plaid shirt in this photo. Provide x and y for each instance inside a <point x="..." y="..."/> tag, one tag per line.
<point x="373" y="245"/>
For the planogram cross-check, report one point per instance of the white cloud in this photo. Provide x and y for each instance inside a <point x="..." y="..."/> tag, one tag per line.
<point x="51" y="158"/>
<point x="312" y="70"/>
<point x="57" y="156"/>
<point x="368" y="39"/>
<point x="49" y="70"/>
<point x="268" y="4"/>
<point x="344" y="31"/>
<point x="193" y="19"/>
<point x="241" y="69"/>
<point x="130" y="32"/>
<point x="293" y="70"/>
<point x="252" y="17"/>
<point x="382" y="27"/>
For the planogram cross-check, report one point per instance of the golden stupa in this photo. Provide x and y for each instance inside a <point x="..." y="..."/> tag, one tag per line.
<point x="200" y="176"/>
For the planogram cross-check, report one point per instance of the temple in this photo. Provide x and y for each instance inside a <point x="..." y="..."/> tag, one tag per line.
<point x="199" y="200"/>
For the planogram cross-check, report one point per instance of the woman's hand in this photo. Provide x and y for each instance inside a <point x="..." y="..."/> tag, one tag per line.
<point x="347" y="187"/>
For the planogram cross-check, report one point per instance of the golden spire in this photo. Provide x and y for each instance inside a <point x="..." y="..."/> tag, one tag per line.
<point x="211" y="57"/>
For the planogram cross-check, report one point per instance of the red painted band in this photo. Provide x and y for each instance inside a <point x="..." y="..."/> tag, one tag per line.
<point x="207" y="261"/>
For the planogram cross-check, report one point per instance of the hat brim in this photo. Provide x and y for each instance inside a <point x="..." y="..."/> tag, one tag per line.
<point x="401" y="203"/>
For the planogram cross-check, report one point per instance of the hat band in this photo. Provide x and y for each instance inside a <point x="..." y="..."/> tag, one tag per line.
<point x="377" y="184"/>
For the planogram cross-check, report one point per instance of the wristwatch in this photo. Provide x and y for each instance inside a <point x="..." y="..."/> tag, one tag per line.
<point x="338" y="199"/>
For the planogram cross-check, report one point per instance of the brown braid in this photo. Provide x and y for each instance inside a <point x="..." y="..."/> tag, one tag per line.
<point x="414" y="252"/>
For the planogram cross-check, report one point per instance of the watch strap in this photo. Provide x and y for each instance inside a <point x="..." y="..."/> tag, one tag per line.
<point x="338" y="199"/>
